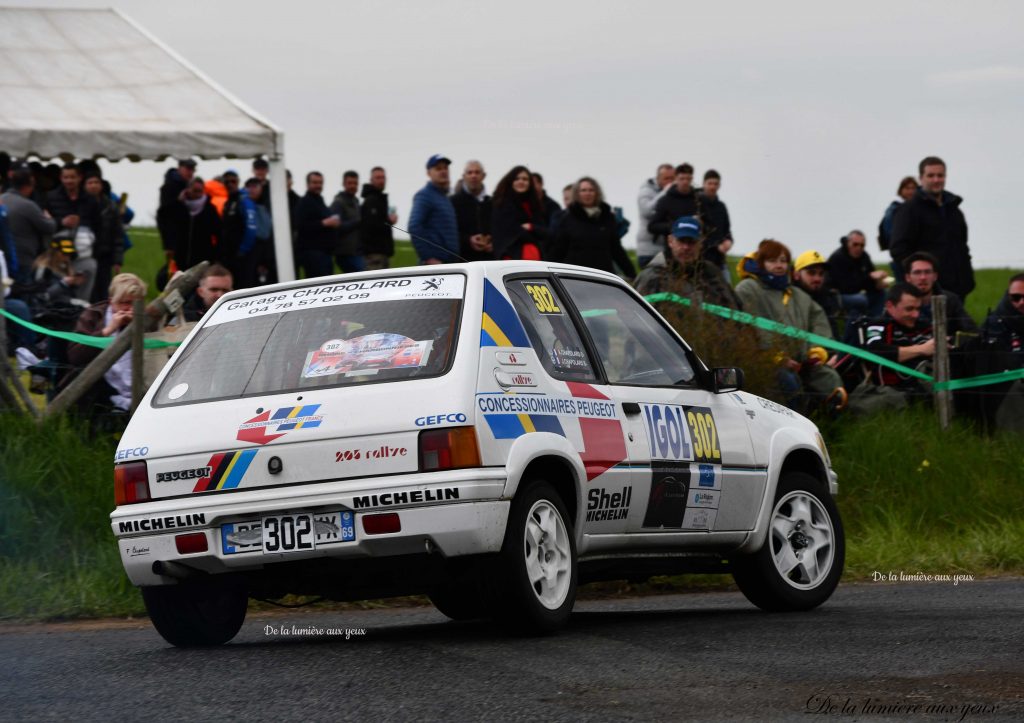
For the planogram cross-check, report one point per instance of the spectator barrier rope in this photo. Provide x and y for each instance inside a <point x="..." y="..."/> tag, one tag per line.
<point x="739" y="316"/>
<point x="100" y="342"/>
<point x="775" y="327"/>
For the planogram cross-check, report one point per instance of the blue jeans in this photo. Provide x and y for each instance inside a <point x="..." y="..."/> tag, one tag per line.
<point x="868" y="304"/>
<point x="20" y="336"/>
<point x="350" y="263"/>
<point x="316" y="263"/>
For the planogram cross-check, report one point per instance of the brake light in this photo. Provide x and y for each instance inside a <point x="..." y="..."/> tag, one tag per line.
<point x="451" y="448"/>
<point x="191" y="543"/>
<point x="131" y="483"/>
<point x="382" y="524"/>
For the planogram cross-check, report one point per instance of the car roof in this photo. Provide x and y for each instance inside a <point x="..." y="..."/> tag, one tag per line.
<point x="473" y="269"/>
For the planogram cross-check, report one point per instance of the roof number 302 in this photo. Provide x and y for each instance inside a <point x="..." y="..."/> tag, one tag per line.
<point x="543" y="299"/>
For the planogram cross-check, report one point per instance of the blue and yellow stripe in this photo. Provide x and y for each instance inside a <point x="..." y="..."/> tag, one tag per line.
<point x="500" y="325"/>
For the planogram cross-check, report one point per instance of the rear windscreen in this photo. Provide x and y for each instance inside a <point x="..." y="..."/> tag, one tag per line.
<point x="320" y="336"/>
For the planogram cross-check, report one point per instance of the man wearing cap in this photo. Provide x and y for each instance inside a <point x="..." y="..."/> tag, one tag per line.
<point x="809" y="273"/>
<point x="432" y="222"/>
<point x="681" y="270"/>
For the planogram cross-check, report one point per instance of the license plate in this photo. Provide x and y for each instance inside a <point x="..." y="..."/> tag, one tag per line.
<point x="298" y="532"/>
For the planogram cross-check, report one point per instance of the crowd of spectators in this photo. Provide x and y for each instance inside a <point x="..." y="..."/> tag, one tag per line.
<point x="64" y="240"/>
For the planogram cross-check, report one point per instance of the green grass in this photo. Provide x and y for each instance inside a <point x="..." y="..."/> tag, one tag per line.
<point x="962" y="512"/>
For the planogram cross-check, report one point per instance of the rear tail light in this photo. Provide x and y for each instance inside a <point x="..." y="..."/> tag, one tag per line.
<point x="131" y="483"/>
<point x="451" y="448"/>
<point x="191" y="543"/>
<point x="382" y="524"/>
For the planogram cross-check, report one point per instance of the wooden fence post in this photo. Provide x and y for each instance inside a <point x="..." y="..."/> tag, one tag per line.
<point x="944" y="398"/>
<point x="10" y="398"/>
<point x="138" y="340"/>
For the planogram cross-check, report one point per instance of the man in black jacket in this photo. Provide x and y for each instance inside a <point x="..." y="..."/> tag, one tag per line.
<point x="548" y="205"/>
<point x="852" y="273"/>
<point x="315" y="226"/>
<point x="715" y="217"/>
<point x="680" y="199"/>
<point x="176" y="180"/>
<point x="347" y="244"/>
<point x="377" y="219"/>
<point x="932" y="221"/>
<point x="193" y="226"/>
<point x="473" y="209"/>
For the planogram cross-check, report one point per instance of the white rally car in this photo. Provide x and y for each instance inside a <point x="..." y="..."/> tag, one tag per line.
<point x="490" y="434"/>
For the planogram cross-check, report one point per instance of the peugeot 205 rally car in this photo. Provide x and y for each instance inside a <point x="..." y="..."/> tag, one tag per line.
<point x="490" y="434"/>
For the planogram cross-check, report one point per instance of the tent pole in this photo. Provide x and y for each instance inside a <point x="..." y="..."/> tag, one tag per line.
<point x="279" y="206"/>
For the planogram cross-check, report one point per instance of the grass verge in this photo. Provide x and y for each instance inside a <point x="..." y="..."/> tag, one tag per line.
<point x="913" y="499"/>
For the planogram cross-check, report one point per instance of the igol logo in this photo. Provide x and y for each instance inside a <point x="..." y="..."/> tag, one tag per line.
<point x="666" y="432"/>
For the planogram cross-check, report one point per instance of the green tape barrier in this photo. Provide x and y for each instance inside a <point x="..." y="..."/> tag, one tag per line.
<point x="100" y="342"/>
<point x="773" y="326"/>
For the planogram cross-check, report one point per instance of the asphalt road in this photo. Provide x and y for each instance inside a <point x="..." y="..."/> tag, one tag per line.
<point x="873" y="652"/>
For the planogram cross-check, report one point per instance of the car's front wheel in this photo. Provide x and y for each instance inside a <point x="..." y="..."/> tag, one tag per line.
<point x="800" y="563"/>
<point x="196" y="615"/>
<point x="537" y="574"/>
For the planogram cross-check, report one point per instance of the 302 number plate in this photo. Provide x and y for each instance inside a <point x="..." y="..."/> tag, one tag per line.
<point x="279" y="534"/>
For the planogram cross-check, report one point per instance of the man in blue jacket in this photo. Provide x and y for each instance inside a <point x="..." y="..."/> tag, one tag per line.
<point x="432" y="223"/>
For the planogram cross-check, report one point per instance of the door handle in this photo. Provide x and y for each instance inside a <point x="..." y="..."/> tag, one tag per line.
<point x="631" y="408"/>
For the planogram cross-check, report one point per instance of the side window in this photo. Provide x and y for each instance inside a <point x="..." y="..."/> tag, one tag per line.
<point x="551" y="331"/>
<point x="634" y="347"/>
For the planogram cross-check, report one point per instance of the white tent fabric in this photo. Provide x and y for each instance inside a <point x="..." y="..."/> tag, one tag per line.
<point x="89" y="83"/>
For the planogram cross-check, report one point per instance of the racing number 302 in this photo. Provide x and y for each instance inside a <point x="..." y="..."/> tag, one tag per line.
<point x="284" y="534"/>
<point x="705" y="436"/>
<point x="543" y="299"/>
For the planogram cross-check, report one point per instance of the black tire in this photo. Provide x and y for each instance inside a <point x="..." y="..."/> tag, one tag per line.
<point x="196" y="615"/>
<point x="543" y="606"/>
<point x="800" y="499"/>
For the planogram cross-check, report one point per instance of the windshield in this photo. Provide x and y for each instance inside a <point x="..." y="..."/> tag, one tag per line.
<point x="322" y="336"/>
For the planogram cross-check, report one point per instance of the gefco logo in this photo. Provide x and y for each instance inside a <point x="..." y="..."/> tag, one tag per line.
<point x="123" y="454"/>
<point x="446" y="418"/>
<point x="667" y="432"/>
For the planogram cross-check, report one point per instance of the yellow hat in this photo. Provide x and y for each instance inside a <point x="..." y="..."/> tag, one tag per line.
<point x="808" y="258"/>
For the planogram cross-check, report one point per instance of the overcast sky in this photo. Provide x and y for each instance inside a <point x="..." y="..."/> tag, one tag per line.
<point x="811" y="112"/>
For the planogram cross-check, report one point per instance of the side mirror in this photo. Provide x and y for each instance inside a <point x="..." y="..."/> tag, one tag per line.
<point x="727" y="379"/>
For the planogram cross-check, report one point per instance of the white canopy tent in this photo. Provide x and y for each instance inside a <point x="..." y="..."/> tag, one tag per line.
<point x="92" y="83"/>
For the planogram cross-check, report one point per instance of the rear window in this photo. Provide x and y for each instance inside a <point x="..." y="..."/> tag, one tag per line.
<point x="322" y="336"/>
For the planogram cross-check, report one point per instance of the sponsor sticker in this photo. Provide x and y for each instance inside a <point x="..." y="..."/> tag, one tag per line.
<point x="604" y="505"/>
<point x="444" y="286"/>
<point x="699" y="518"/>
<point x="510" y="358"/>
<point x="269" y="425"/>
<point x="704" y="434"/>
<point x="667" y="432"/>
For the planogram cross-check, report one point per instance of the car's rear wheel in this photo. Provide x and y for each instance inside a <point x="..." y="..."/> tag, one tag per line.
<point x="537" y="571"/>
<point x="196" y="615"/>
<point x="800" y="563"/>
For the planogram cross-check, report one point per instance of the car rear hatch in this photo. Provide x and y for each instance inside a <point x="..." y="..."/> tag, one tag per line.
<point x="308" y="384"/>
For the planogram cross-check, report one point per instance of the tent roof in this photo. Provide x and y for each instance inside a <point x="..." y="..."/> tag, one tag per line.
<point x="91" y="83"/>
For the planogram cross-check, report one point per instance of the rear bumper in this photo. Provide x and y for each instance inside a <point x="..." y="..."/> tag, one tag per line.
<point x="457" y="514"/>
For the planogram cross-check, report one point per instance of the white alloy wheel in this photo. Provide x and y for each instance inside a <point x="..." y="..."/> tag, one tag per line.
<point x="548" y="554"/>
<point x="802" y="540"/>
